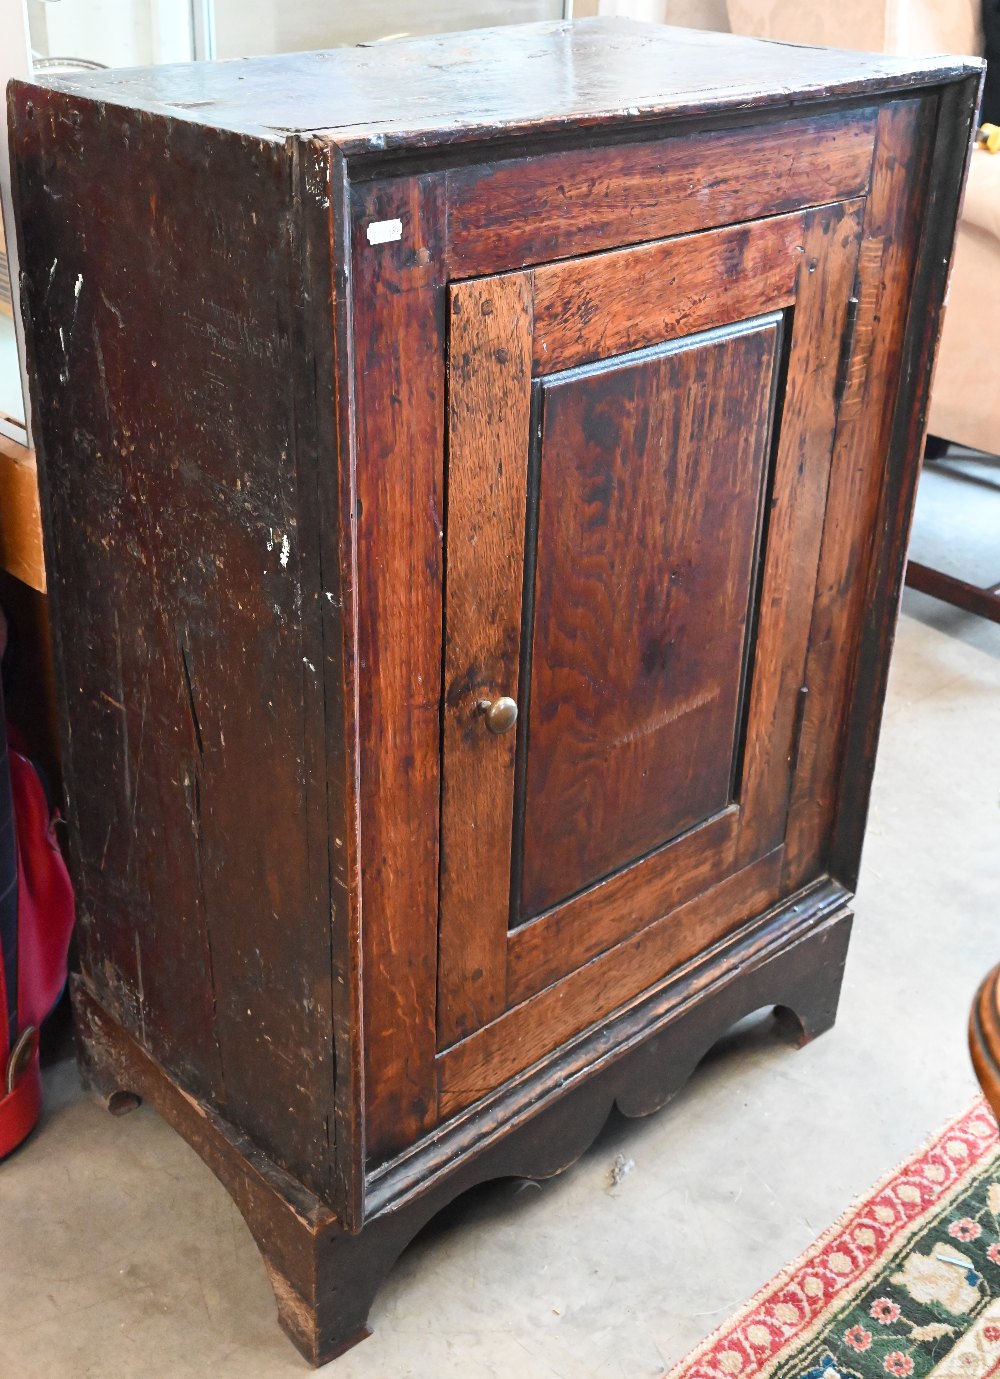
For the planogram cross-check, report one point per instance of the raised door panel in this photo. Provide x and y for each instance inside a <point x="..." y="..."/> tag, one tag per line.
<point x="639" y="446"/>
<point x="641" y="602"/>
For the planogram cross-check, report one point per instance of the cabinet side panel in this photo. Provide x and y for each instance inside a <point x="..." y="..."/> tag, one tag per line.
<point x="157" y="260"/>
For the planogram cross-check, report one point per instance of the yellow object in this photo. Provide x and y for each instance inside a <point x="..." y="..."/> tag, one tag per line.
<point x="989" y="138"/>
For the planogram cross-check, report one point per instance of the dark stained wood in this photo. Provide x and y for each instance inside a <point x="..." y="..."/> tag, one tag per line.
<point x="448" y="92"/>
<point x="326" y="425"/>
<point x="640" y="611"/>
<point x="984" y="1038"/>
<point x="574" y="931"/>
<point x="299" y="1237"/>
<point x="742" y="973"/>
<point x="526" y="1033"/>
<point x="586" y="199"/>
<point x="960" y="593"/>
<point x="827" y="274"/>
<point x="885" y="266"/>
<point x="202" y="915"/>
<point x="951" y="150"/>
<point x="632" y="298"/>
<point x="399" y="332"/>
<point x="256" y="418"/>
<point x="323" y="1279"/>
<point x="489" y="414"/>
<point x="569" y="935"/>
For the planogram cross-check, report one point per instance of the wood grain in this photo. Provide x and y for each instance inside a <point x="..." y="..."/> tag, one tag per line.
<point x="455" y="93"/>
<point x="569" y="935"/>
<point x="570" y="824"/>
<point x="399" y="338"/>
<point x="160" y="353"/>
<point x="627" y="299"/>
<point x="587" y="199"/>
<point x="325" y="1280"/>
<point x="236" y="285"/>
<point x="528" y="1032"/>
<point x="785" y="956"/>
<point x="21" y="553"/>
<point x="489" y="389"/>
<point x="640" y="610"/>
<point x="885" y="267"/>
<point x="984" y="1038"/>
<point x="795" y="520"/>
<point x="935" y="226"/>
<point x="325" y="428"/>
<point x="545" y="950"/>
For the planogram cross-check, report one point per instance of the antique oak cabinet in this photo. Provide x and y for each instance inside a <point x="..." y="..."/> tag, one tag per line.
<point x="476" y="475"/>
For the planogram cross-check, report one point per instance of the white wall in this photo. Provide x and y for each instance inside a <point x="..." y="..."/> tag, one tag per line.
<point x="896" y="26"/>
<point x="692" y="14"/>
<point x="117" y="33"/>
<point x="246" y="27"/>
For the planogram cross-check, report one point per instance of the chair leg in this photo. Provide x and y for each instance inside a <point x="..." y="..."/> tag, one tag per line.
<point x="984" y="1038"/>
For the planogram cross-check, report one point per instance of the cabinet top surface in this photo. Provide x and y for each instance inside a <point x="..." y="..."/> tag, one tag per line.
<point x="488" y="83"/>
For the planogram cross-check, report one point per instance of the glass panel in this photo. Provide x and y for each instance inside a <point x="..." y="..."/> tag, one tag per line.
<point x="73" y="34"/>
<point x="68" y="34"/>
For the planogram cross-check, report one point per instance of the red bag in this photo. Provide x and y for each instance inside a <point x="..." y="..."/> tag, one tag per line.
<point x="36" y="920"/>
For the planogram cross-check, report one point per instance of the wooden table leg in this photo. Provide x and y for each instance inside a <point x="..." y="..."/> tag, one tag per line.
<point x="984" y="1038"/>
<point x="958" y="592"/>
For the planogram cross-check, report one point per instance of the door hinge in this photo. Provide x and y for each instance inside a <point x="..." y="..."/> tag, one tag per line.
<point x="800" y="716"/>
<point x="847" y="343"/>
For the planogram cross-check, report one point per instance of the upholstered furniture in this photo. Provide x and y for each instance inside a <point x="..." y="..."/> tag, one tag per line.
<point x="476" y="474"/>
<point x="965" y="402"/>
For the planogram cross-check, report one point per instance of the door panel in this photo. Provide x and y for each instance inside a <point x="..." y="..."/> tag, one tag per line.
<point x="632" y="538"/>
<point x="629" y="299"/>
<point x="640" y="609"/>
<point x="488" y="421"/>
<point x="525" y="1033"/>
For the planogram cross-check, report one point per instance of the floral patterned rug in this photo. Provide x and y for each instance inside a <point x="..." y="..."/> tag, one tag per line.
<point x="905" y="1284"/>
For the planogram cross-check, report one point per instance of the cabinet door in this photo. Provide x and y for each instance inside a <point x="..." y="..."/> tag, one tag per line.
<point x="638" y="454"/>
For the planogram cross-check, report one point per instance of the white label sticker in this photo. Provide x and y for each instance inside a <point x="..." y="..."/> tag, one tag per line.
<point x="385" y="231"/>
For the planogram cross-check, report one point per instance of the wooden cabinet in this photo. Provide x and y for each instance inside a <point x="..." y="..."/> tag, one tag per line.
<point x="627" y="510"/>
<point x="476" y="473"/>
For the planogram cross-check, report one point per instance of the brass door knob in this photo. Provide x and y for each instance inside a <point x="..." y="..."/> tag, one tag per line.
<point x="501" y="715"/>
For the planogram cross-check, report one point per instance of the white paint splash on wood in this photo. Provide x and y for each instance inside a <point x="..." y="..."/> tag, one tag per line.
<point x="281" y="541"/>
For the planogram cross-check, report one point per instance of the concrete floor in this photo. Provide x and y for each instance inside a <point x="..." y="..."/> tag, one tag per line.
<point x="122" y="1256"/>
